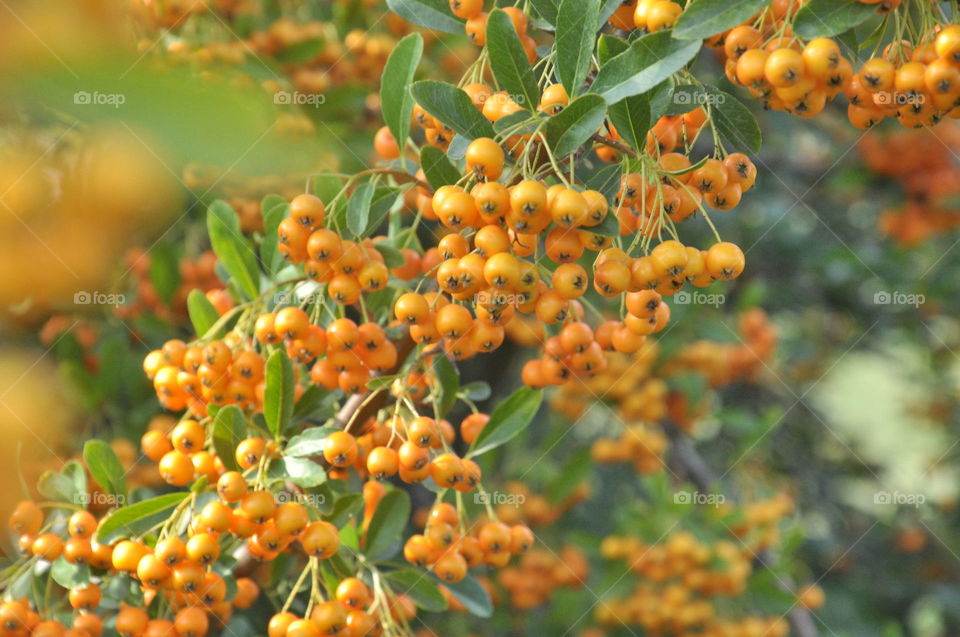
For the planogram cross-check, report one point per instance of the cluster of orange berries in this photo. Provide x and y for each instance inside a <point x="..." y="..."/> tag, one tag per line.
<point x="174" y="569"/>
<point x="648" y="15"/>
<point x="922" y="162"/>
<point x="449" y="550"/>
<point x="540" y="573"/>
<point x="476" y="25"/>
<point x="348" y="614"/>
<point x="195" y="274"/>
<point x="679" y="582"/>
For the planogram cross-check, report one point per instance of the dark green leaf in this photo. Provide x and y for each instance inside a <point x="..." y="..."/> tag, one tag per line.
<point x="421" y="588"/>
<point x="452" y="107"/>
<point x="392" y="257"/>
<point x="233" y="251"/>
<point x="395" y="100"/>
<point x="509" y="418"/>
<point x="345" y="509"/>
<point x="576" y="33"/>
<point x="610" y="46"/>
<point x="704" y="18"/>
<point x="278" y="395"/>
<point x="137" y="518"/>
<point x="573" y="126"/>
<point x="432" y="14"/>
<point x="631" y="117"/>
<point x="314" y="403"/>
<point x="387" y="524"/>
<point x="649" y="61"/>
<point x="734" y="121"/>
<point x="575" y="470"/>
<point x="202" y="313"/>
<point x="449" y="383"/>
<point x="229" y="429"/>
<point x="609" y="227"/>
<point x="164" y="271"/>
<point x="508" y="60"/>
<point x="105" y="467"/>
<point x="358" y="210"/>
<point x="472" y="595"/>
<point x="547" y="10"/>
<point x="437" y="168"/>
<point x="476" y="391"/>
<point x="823" y="18"/>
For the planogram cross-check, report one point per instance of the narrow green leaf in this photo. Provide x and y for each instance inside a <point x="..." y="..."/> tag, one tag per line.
<point x="573" y="126"/>
<point x="315" y="403"/>
<point x="308" y="443"/>
<point x="438" y="169"/>
<point x="392" y="257"/>
<point x="508" y="60"/>
<point x="105" y="467"/>
<point x="278" y="395"/>
<point x="452" y="107"/>
<point x="229" y="429"/>
<point x="509" y="418"/>
<point x="649" y="60"/>
<point x="358" y="210"/>
<point x="824" y="18"/>
<point x="631" y="117"/>
<point x="577" y="22"/>
<point x="547" y="9"/>
<point x="387" y="524"/>
<point x="164" y="271"/>
<point x="137" y="518"/>
<point x="432" y="14"/>
<point x="233" y="251"/>
<point x="449" y="383"/>
<point x="395" y="100"/>
<point x="704" y="18"/>
<point x="202" y="313"/>
<point x="609" y="46"/>
<point x="734" y="121"/>
<point x="421" y="588"/>
<point x="345" y="509"/>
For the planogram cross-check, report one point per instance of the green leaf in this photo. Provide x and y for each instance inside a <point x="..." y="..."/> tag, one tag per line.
<point x="202" y="313"/>
<point x="164" y="271"/>
<point x="278" y="395"/>
<point x="395" y="100"/>
<point x="649" y="61"/>
<point x="704" y="18"/>
<point x="824" y="18"/>
<point x="509" y="418"/>
<point x="547" y="10"/>
<point x="574" y="471"/>
<point x="449" y="383"/>
<point x="609" y="46"/>
<point x="438" y="169"/>
<point x="472" y="595"/>
<point x="303" y="472"/>
<point x="308" y="443"/>
<point x="69" y="575"/>
<point x="57" y="487"/>
<point x="432" y="14"/>
<point x="476" y="391"/>
<point x="232" y="249"/>
<point x="345" y="509"/>
<point x="229" y="429"/>
<point x="269" y="254"/>
<point x="734" y="121"/>
<point x="421" y="588"/>
<point x="631" y="117"/>
<point x="609" y="227"/>
<point x="315" y="403"/>
<point x="570" y="128"/>
<point x="392" y="257"/>
<point x="508" y="60"/>
<point x="105" y="467"/>
<point x="137" y="518"/>
<point x="576" y="33"/>
<point x="387" y="524"/>
<point x="452" y="107"/>
<point x="358" y="210"/>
